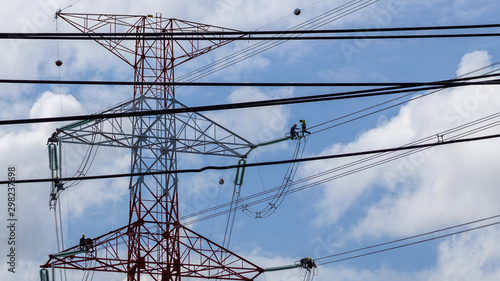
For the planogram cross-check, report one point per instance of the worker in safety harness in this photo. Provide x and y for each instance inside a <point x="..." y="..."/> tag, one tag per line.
<point x="89" y="244"/>
<point x="83" y="242"/>
<point x="293" y="132"/>
<point x="307" y="263"/>
<point x="53" y="138"/>
<point x="86" y="244"/>
<point x="303" y="125"/>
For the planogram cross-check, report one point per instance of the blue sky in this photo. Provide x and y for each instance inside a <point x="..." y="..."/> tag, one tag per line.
<point x="430" y="190"/>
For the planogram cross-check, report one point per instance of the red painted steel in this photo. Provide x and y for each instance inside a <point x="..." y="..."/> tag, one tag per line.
<point x="154" y="243"/>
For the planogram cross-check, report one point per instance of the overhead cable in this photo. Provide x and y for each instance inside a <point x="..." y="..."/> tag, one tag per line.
<point x="314" y="98"/>
<point x="492" y="71"/>
<point x="407" y="238"/>
<point x="262" y="46"/>
<point x="269" y="163"/>
<point x="262" y="38"/>
<point x="253" y="84"/>
<point x="357" y="166"/>
<point x="236" y="35"/>
<point x="410" y="244"/>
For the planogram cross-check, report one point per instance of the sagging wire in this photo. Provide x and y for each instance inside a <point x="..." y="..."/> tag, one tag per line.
<point x="256" y="200"/>
<point x="308" y="266"/>
<point x="237" y="189"/>
<point x="409" y="243"/>
<point x="275" y="201"/>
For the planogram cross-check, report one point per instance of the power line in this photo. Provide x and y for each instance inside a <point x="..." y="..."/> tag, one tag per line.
<point x="396" y="104"/>
<point x="237" y="35"/>
<point x="314" y="98"/>
<point x="262" y="46"/>
<point x="251" y="84"/>
<point x="269" y="163"/>
<point x="411" y="244"/>
<point x="408" y="238"/>
<point x="449" y="133"/>
<point x="261" y="38"/>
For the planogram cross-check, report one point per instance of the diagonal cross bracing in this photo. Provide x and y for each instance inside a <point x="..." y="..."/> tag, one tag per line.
<point x="196" y="133"/>
<point x="154" y="243"/>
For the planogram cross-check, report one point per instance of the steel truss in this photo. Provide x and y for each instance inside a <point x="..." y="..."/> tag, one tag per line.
<point x="154" y="243"/>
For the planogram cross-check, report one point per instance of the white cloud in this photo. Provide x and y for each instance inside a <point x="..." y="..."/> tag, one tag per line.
<point x="256" y="124"/>
<point x="436" y="188"/>
<point x="25" y="150"/>
<point x="472" y="256"/>
<point x="51" y="105"/>
<point x="342" y="193"/>
<point x="473" y="61"/>
<point x="441" y="186"/>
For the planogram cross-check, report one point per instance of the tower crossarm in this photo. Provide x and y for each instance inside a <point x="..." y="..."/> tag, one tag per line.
<point x="199" y="134"/>
<point x="126" y="25"/>
<point x="199" y="257"/>
<point x="196" y="133"/>
<point x="103" y="131"/>
<point x="97" y="132"/>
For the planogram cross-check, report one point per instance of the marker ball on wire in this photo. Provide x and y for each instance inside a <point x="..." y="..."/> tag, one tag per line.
<point x="58" y="62"/>
<point x="296" y="11"/>
<point x="221" y="181"/>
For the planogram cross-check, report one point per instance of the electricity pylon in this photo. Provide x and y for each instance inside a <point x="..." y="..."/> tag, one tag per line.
<point x="157" y="245"/>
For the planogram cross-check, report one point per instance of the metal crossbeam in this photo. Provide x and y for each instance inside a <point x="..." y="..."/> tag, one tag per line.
<point x="154" y="243"/>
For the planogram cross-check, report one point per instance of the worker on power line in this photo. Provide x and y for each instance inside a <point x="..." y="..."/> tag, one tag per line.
<point x="293" y="132"/>
<point x="304" y="127"/>
<point x="88" y="245"/>
<point x="83" y="242"/>
<point x="53" y="138"/>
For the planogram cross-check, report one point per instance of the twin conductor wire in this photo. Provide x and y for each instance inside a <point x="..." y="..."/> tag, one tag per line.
<point x="328" y="34"/>
<point x="393" y="89"/>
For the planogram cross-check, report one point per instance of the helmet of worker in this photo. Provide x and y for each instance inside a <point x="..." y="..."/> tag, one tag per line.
<point x="83" y="235"/>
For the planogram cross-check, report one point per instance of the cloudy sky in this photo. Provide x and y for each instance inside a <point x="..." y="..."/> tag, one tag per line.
<point x="345" y="204"/>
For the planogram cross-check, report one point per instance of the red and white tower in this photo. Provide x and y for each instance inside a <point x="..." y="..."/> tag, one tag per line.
<point x="154" y="243"/>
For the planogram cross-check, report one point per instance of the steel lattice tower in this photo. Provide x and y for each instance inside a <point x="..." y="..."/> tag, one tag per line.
<point x="157" y="244"/>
